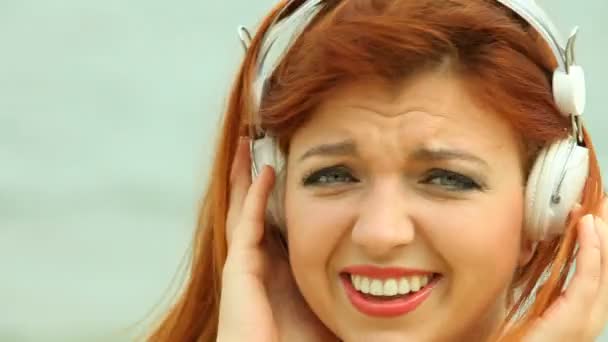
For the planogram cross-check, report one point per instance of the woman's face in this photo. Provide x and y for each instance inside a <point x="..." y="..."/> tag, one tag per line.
<point x="404" y="209"/>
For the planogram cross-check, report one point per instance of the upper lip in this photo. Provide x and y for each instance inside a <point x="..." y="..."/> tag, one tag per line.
<point x="377" y="272"/>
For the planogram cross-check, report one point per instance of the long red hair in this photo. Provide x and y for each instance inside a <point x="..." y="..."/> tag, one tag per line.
<point x="500" y="56"/>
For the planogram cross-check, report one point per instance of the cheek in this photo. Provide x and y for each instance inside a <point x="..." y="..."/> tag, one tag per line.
<point x="316" y="230"/>
<point x="313" y="225"/>
<point x="480" y="241"/>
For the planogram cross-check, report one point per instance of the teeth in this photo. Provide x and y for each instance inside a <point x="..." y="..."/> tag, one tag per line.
<point x="364" y="285"/>
<point x="424" y="281"/>
<point x="404" y="286"/>
<point x="415" y="283"/>
<point x="356" y="280"/>
<point x="376" y="288"/>
<point x="389" y="287"/>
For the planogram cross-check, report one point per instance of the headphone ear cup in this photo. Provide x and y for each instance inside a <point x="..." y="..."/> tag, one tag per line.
<point x="559" y="169"/>
<point x="265" y="151"/>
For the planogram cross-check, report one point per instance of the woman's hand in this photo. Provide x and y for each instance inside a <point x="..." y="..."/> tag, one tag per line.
<point x="260" y="300"/>
<point x="581" y="312"/>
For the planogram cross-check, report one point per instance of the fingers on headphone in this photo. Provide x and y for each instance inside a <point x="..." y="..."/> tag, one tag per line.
<point x="570" y="314"/>
<point x="250" y="228"/>
<point x="240" y="180"/>
<point x="602" y="232"/>
<point x="577" y="211"/>
<point x="601" y="229"/>
<point x="583" y="289"/>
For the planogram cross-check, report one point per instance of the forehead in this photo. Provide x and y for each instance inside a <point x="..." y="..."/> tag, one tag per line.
<point x="434" y="109"/>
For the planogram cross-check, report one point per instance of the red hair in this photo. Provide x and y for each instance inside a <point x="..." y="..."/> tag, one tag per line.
<point x="504" y="63"/>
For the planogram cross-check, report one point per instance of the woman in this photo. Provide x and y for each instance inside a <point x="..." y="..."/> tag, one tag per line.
<point x="407" y="192"/>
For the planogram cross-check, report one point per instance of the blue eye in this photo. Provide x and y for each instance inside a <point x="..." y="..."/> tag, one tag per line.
<point x="451" y="181"/>
<point x="329" y="176"/>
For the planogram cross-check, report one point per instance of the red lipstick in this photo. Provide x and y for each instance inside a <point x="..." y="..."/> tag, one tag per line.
<point x="386" y="306"/>
<point x="383" y="272"/>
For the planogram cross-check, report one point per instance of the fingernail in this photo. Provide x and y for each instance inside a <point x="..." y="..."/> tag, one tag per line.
<point x="598" y="224"/>
<point x="588" y="222"/>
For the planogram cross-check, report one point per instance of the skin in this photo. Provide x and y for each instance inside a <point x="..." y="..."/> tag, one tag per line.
<point x="382" y="208"/>
<point x="476" y="240"/>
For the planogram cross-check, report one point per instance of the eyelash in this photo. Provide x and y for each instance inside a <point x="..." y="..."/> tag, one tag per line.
<point x="315" y="178"/>
<point x="341" y="175"/>
<point x="459" y="182"/>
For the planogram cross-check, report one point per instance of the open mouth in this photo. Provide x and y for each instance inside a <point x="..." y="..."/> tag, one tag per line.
<point x="388" y="296"/>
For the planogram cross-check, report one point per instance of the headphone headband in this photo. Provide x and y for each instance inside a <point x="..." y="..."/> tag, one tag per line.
<point x="540" y="21"/>
<point x="295" y="16"/>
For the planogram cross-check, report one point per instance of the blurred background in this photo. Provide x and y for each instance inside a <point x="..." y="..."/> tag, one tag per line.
<point x="108" y="115"/>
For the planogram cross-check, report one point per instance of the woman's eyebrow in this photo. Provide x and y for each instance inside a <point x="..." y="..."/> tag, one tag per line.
<point x="341" y="148"/>
<point x="440" y="154"/>
<point x="349" y="148"/>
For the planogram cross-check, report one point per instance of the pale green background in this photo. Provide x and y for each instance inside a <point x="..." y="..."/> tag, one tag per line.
<point x="108" y="111"/>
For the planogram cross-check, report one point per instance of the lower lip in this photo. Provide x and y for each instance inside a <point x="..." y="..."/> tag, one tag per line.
<point x="387" y="308"/>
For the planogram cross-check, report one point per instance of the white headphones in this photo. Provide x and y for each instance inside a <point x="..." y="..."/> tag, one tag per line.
<point x="559" y="173"/>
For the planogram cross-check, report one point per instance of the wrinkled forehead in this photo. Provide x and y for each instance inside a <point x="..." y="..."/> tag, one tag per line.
<point x="432" y="111"/>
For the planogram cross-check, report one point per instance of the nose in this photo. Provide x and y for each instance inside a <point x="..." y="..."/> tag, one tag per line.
<point x="384" y="224"/>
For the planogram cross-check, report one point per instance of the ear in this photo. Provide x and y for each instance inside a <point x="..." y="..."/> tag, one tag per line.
<point x="526" y="251"/>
